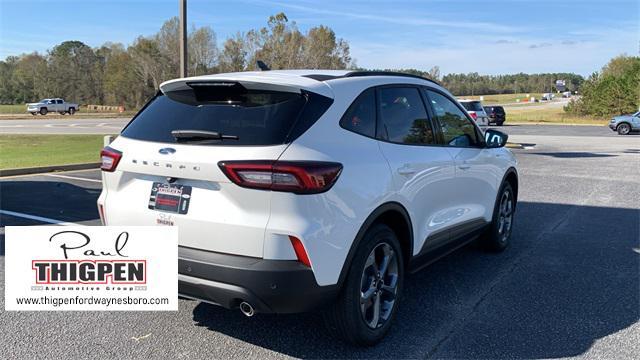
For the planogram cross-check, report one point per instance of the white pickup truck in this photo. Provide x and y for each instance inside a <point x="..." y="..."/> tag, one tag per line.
<point x="45" y="106"/>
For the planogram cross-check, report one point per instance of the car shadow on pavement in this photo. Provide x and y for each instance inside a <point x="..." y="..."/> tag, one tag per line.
<point x="571" y="155"/>
<point x="50" y="199"/>
<point x="569" y="278"/>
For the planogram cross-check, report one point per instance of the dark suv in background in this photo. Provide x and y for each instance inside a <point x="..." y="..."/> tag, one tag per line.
<point x="496" y="115"/>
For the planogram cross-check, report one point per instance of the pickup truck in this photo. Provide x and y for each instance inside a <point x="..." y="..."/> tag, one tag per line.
<point x="45" y="106"/>
<point x="548" y="96"/>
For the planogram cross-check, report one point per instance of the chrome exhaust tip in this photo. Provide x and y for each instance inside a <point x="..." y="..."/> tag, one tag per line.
<point x="247" y="309"/>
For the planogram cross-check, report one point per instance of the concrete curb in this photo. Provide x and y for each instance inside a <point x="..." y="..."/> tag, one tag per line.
<point x="46" y="169"/>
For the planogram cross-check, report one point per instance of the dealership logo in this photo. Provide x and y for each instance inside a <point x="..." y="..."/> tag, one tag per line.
<point x="91" y="268"/>
<point x="110" y="266"/>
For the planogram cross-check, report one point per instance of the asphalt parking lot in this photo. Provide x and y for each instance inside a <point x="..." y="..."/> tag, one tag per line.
<point x="569" y="286"/>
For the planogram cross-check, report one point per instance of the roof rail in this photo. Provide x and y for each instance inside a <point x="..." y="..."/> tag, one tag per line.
<point x="387" y="73"/>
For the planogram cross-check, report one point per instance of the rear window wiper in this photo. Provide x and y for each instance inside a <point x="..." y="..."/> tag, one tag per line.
<point x="196" y="135"/>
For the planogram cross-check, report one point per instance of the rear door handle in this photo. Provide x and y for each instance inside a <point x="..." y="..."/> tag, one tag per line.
<point x="464" y="166"/>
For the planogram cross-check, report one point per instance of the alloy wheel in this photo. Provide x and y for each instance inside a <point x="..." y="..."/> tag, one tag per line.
<point x="379" y="285"/>
<point x="505" y="216"/>
<point x="623" y="129"/>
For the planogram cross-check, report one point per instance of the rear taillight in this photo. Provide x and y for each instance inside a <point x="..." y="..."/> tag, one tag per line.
<point x="110" y="158"/>
<point x="300" y="177"/>
<point x="474" y="115"/>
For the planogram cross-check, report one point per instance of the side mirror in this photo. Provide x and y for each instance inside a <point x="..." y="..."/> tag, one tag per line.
<point x="495" y="138"/>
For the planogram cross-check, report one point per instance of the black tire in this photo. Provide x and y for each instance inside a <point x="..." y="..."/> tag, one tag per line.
<point x="500" y="123"/>
<point x="498" y="235"/>
<point x="34" y="113"/>
<point x="623" y="129"/>
<point x="43" y="111"/>
<point x="346" y="318"/>
<point x="72" y="111"/>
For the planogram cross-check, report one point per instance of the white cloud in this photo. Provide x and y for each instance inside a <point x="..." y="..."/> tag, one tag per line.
<point x="398" y="20"/>
<point x="491" y="55"/>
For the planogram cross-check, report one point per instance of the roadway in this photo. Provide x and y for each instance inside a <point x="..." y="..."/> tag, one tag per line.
<point x="556" y="103"/>
<point x="109" y="126"/>
<point x="66" y="125"/>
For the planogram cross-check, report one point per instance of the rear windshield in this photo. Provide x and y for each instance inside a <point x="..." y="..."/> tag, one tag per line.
<point x="497" y="109"/>
<point x="251" y="118"/>
<point x="472" y="105"/>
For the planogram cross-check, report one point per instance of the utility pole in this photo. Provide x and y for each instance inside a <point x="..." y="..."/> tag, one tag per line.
<point x="183" y="39"/>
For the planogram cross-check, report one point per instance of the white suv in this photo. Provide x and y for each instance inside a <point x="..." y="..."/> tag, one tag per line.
<point x="295" y="190"/>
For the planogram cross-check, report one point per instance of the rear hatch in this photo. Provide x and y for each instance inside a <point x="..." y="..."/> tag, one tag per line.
<point x="475" y="109"/>
<point x="168" y="173"/>
<point x="473" y="106"/>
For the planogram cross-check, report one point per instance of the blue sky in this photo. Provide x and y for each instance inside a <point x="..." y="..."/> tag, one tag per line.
<point x="489" y="37"/>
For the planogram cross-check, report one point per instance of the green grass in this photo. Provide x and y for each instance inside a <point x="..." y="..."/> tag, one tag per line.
<point x="501" y="98"/>
<point x="20" y="151"/>
<point x="13" y="109"/>
<point x="552" y="115"/>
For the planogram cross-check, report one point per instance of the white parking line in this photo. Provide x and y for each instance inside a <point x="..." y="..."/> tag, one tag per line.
<point x="38" y="218"/>
<point x="73" y="178"/>
<point x="44" y="174"/>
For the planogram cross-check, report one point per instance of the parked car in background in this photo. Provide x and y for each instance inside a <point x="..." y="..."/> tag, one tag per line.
<point x="299" y="189"/>
<point x="496" y="114"/>
<point x="476" y="111"/>
<point x="45" y="106"/>
<point x="624" y="124"/>
<point x="547" y="96"/>
<point x="566" y="94"/>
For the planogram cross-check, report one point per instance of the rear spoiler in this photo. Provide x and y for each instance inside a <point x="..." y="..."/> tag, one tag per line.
<point x="266" y="81"/>
<point x="186" y="84"/>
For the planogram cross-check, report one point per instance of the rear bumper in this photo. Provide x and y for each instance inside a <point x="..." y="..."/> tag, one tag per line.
<point x="270" y="286"/>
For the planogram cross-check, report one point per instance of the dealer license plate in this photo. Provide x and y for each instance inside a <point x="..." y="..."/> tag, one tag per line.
<point x="170" y="197"/>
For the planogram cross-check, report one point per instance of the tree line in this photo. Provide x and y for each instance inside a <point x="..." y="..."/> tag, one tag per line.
<point x="476" y="84"/>
<point x="113" y="74"/>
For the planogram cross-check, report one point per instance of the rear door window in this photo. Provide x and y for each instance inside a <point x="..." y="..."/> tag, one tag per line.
<point x="255" y="117"/>
<point x="361" y="115"/>
<point x="403" y="117"/>
<point x="472" y="105"/>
